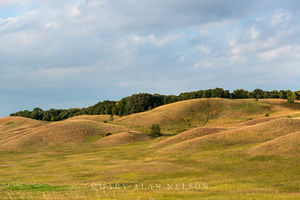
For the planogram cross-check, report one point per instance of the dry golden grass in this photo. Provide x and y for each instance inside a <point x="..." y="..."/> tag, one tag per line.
<point x="257" y="121"/>
<point x="17" y="124"/>
<point x="187" y="135"/>
<point x="281" y="107"/>
<point x="122" y="138"/>
<point x="285" y="145"/>
<point x="215" y="112"/>
<point x="18" y="132"/>
<point x="58" y="133"/>
<point x="97" y="118"/>
<point x="227" y="160"/>
<point x="177" y="116"/>
<point x="243" y="135"/>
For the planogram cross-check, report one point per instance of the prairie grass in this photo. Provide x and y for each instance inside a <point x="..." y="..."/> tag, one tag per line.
<point x="230" y="161"/>
<point x="72" y="173"/>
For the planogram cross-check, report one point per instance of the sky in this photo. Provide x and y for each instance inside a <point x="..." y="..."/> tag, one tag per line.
<point x="62" y="53"/>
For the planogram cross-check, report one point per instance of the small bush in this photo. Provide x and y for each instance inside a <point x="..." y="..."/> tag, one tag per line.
<point x="290" y="100"/>
<point x="105" y="121"/>
<point x="289" y="116"/>
<point x="267" y="115"/>
<point x="155" y="130"/>
<point x="107" y="134"/>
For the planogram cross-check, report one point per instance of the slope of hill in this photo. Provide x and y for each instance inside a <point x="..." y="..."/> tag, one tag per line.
<point x="97" y="118"/>
<point x="122" y="138"/>
<point x="17" y="124"/>
<point x="243" y="135"/>
<point x="187" y="135"/>
<point x="39" y="135"/>
<point x="285" y="145"/>
<point x="18" y="132"/>
<point x="257" y="121"/>
<point x="215" y="112"/>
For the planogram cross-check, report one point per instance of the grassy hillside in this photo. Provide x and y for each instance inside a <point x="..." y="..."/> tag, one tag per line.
<point x="288" y="145"/>
<point x="242" y="135"/>
<point x="187" y="135"/>
<point x="228" y="148"/>
<point x="97" y="118"/>
<point x="12" y="124"/>
<point x="122" y="138"/>
<point x="213" y="112"/>
<point x="21" y="133"/>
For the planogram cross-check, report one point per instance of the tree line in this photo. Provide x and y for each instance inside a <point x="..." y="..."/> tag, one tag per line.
<point x="143" y="101"/>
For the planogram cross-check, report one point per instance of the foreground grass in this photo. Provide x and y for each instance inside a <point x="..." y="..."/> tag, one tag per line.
<point x="80" y="172"/>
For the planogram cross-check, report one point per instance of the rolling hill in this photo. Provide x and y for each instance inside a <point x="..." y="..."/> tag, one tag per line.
<point x="243" y="135"/>
<point x="122" y="138"/>
<point x="21" y="133"/>
<point x="288" y="145"/>
<point x="191" y="118"/>
<point x="231" y="146"/>
<point x="187" y="135"/>
<point x="215" y="112"/>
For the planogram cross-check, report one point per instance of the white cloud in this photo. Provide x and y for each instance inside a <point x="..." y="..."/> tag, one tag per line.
<point x="183" y="58"/>
<point x="51" y="25"/>
<point x="75" y="9"/>
<point x="18" y="23"/>
<point x="253" y="33"/>
<point x="157" y="41"/>
<point x="58" y="72"/>
<point x="207" y="63"/>
<point x="283" y="52"/>
<point x="138" y="39"/>
<point x="232" y="42"/>
<point x="250" y="47"/>
<point x="205" y="50"/>
<point x="280" y="17"/>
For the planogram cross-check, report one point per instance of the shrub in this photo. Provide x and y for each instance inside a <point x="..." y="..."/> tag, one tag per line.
<point x="107" y="134"/>
<point x="267" y="115"/>
<point x="292" y="98"/>
<point x="155" y="130"/>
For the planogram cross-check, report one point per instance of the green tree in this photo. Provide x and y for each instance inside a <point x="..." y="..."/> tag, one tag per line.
<point x="257" y="93"/>
<point x="274" y="94"/>
<point x="155" y="130"/>
<point x="282" y="94"/>
<point x="298" y="95"/>
<point x="37" y="114"/>
<point x="240" y="94"/>
<point x="63" y="115"/>
<point x="292" y="97"/>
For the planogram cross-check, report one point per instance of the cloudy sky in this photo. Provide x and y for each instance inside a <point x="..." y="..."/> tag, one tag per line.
<point x="62" y="53"/>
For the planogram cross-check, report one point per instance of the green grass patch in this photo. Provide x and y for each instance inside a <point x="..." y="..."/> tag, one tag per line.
<point x="94" y="138"/>
<point x="35" y="187"/>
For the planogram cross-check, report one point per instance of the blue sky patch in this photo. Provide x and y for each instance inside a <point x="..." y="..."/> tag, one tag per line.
<point x="14" y="10"/>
